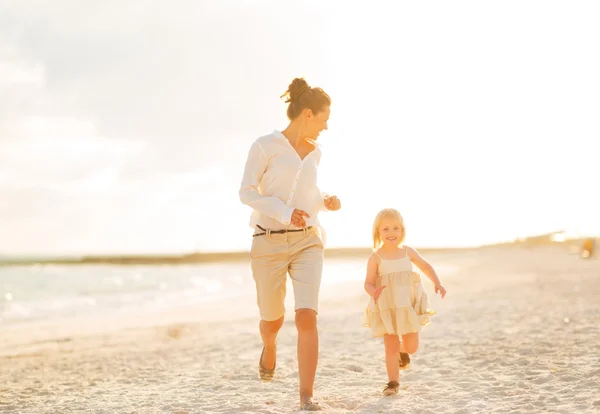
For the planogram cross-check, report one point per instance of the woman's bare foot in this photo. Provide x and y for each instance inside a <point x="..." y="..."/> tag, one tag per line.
<point x="268" y="357"/>
<point x="266" y="374"/>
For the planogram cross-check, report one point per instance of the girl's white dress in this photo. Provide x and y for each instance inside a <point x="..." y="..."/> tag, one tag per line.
<point x="403" y="306"/>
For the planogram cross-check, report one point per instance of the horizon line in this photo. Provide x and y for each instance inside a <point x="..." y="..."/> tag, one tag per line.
<point x="200" y="257"/>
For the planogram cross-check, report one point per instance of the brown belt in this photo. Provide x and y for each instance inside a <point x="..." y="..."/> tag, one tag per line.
<point x="279" y="231"/>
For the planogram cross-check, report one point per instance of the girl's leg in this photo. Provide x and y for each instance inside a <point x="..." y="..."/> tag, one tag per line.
<point x="392" y="347"/>
<point x="410" y="343"/>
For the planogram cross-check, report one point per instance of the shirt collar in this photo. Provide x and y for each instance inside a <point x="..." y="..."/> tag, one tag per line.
<point x="278" y="134"/>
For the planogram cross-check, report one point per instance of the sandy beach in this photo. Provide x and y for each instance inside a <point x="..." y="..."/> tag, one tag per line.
<point x="519" y="332"/>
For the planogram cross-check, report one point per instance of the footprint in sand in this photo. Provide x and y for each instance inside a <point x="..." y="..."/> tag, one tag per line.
<point x="354" y="368"/>
<point x="543" y="380"/>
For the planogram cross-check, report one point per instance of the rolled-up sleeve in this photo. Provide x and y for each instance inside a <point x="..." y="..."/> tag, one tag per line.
<point x="273" y="207"/>
<point x="323" y="196"/>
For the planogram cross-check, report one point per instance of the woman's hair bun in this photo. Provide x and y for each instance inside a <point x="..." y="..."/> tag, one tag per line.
<point x="296" y="88"/>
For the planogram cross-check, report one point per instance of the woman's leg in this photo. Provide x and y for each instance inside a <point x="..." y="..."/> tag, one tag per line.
<point x="306" y="268"/>
<point x="308" y="351"/>
<point x="268" y="333"/>
<point x="269" y="269"/>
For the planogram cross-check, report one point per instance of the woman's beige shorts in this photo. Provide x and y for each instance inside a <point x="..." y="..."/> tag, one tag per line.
<point x="301" y="255"/>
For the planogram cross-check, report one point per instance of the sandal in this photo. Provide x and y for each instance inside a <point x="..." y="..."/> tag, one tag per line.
<point x="310" y="405"/>
<point x="403" y="360"/>
<point x="391" y="388"/>
<point x="264" y="373"/>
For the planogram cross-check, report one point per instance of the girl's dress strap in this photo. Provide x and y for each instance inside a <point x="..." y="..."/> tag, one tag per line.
<point x="375" y="253"/>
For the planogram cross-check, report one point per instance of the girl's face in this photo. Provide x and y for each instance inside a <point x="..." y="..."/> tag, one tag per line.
<point x="390" y="232"/>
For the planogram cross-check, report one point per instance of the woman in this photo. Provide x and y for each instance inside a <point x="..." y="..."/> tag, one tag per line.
<point x="280" y="184"/>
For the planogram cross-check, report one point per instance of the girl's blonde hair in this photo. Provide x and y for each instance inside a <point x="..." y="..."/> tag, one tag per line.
<point x="387" y="213"/>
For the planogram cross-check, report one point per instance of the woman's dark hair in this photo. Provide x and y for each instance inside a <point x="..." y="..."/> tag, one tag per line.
<point x="301" y="96"/>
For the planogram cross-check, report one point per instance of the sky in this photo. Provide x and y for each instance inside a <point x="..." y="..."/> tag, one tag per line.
<point x="125" y="126"/>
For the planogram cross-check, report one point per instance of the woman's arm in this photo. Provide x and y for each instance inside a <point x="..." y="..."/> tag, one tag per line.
<point x="256" y="165"/>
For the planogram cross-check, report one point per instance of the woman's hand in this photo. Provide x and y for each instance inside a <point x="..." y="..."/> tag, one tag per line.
<point x="298" y="218"/>
<point x="333" y="203"/>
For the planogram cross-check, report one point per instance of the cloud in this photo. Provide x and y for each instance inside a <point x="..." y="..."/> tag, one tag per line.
<point x="20" y="92"/>
<point x="100" y="213"/>
<point x="108" y="133"/>
<point x="151" y="72"/>
<point x="54" y="152"/>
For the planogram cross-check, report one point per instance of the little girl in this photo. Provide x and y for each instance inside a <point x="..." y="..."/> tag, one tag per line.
<point x="399" y="305"/>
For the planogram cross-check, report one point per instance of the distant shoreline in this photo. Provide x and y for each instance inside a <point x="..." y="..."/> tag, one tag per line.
<point x="192" y="258"/>
<point x="196" y="258"/>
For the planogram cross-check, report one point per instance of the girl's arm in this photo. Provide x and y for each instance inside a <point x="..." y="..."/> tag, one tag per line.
<point x="427" y="269"/>
<point x="371" y="279"/>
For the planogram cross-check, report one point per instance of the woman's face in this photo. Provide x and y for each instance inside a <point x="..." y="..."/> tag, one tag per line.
<point x="317" y="122"/>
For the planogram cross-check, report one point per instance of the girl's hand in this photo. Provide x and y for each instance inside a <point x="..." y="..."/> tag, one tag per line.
<point x="377" y="293"/>
<point x="441" y="290"/>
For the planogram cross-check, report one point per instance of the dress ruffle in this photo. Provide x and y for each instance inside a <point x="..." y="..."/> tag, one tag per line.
<point x="402" y="308"/>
